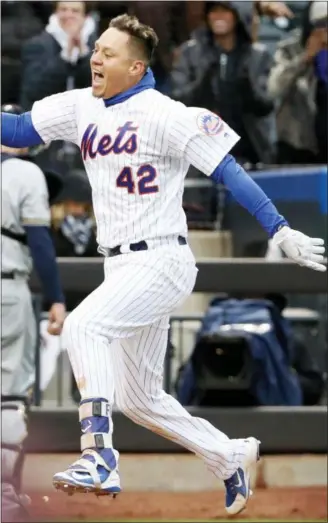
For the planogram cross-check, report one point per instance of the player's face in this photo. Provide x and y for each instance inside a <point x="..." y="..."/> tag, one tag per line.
<point x="113" y="67"/>
<point x="222" y="21"/>
<point x="70" y="14"/>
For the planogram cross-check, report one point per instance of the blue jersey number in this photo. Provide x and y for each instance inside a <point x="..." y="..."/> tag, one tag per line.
<point x="146" y="175"/>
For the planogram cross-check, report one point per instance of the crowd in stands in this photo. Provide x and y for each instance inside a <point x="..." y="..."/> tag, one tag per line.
<point x="262" y="66"/>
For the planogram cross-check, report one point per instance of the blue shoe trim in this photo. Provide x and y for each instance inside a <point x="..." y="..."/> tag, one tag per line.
<point x="235" y="485"/>
<point x="74" y="483"/>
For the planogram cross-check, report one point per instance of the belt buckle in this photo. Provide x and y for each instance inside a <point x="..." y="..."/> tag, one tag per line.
<point x="140" y="246"/>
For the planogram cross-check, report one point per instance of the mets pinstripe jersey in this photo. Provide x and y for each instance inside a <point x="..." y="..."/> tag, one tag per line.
<point x="136" y="155"/>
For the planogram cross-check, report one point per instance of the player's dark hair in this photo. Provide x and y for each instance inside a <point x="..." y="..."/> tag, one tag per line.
<point x="142" y="36"/>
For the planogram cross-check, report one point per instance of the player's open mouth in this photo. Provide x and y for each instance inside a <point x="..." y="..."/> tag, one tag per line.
<point x="97" y="78"/>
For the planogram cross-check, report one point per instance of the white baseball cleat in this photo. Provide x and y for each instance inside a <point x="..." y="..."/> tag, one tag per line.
<point x="91" y="473"/>
<point x="238" y="486"/>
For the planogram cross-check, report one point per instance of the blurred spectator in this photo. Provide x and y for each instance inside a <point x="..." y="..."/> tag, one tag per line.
<point x="221" y="69"/>
<point x="58" y="59"/>
<point x="74" y="230"/>
<point x="19" y="22"/>
<point x="299" y="81"/>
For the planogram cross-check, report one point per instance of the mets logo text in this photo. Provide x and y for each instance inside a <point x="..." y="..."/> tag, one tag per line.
<point x="209" y="123"/>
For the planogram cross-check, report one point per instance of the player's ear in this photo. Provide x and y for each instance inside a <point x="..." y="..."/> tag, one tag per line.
<point x="137" y="68"/>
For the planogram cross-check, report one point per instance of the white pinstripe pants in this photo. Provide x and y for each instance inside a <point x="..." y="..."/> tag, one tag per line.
<point x="117" y="339"/>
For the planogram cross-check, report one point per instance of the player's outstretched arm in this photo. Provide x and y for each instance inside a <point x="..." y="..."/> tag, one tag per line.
<point x="52" y="118"/>
<point x="17" y="131"/>
<point x="202" y="139"/>
<point x="304" y="250"/>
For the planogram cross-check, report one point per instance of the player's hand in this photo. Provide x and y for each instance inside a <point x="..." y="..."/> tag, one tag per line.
<point x="300" y="248"/>
<point x="57" y="316"/>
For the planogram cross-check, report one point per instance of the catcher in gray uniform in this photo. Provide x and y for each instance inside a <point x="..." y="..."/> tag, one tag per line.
<point x="25" y="240"/>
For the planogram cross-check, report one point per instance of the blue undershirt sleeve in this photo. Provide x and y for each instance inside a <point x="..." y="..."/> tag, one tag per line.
<point x="248" y="194"/>
<point x="18" y="131"/>
<point x="44" y="259"/>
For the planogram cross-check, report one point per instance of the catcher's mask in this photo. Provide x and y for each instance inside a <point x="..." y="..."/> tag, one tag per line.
<point x="54" y="177"/>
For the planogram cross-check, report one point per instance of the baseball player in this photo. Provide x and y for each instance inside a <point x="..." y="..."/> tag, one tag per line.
<point x="137" y="145"/>
<point x="25" y="220"/>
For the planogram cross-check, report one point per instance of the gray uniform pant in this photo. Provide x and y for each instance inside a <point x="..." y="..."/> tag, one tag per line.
<point x="18" y="338"/>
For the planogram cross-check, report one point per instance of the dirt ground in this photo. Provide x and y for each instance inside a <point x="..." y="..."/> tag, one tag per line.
<point x="294" y="504"/>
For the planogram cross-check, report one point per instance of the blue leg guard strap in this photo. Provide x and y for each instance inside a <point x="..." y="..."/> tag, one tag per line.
<point x="95" y="420"/>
